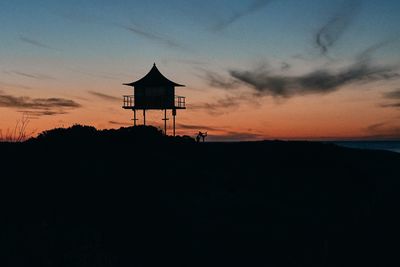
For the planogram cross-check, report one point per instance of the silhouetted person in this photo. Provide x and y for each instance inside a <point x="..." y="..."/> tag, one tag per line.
<point x="204" y="136"/>
<point x="201" y="135"/>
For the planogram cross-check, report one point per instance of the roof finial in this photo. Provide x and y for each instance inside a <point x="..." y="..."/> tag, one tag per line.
<point x="154" y="64"/>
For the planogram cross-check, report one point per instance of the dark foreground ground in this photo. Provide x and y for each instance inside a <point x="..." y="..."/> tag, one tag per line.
<point x="131" y="197"/>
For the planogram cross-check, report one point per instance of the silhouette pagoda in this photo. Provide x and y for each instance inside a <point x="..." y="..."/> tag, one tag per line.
<point x="154" y="92"/>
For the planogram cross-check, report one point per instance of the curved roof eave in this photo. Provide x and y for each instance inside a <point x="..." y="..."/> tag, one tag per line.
<point x="154" y="78"/>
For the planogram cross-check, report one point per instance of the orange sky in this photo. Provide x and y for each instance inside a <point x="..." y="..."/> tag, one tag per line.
<point x="344" y="114"/>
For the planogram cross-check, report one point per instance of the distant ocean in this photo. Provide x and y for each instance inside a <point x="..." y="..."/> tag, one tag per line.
<point x="375" y="145"/>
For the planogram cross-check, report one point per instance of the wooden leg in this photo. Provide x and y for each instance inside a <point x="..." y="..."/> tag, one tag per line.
<point x="173" y="118"/>
<point x="165" y="121"/>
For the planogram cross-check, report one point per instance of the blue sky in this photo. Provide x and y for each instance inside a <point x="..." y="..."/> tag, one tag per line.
<point x="187" y="29"/>
<point x="190" y="23"/>
<point x="69" y="45"/>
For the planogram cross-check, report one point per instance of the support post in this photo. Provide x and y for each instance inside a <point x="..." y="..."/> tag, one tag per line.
<point x="144" y="117"/>
<point x="134" y="117"/>
<point x="173" y="119"/>
<point x="165" y="121"/>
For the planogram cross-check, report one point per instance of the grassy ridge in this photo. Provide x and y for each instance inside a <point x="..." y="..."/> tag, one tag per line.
<point x="133" y="197"/>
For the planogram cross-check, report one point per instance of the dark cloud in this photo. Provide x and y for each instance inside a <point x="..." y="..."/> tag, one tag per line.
<point x="220" y="106"/>
<point x="253" y="7"/>
<point x="391" y="105"/>
<point x="39" y="113"/>
<point x="35" y="103"/>
<point x="215" y="80"/>
<point x="383" y="130"/>
<point x="393" y="94"/>
<point x="105" y="96"/>
<point x="35" y="42"/>
<point x="227" y="103"/>
<point x="316" y="82"/>
<point x="38" y="106"/>
<point x="152" y="36"/>
<point x="334" y="28"/>
<point x="120" y="123"/>
<point x="266" y="82"/>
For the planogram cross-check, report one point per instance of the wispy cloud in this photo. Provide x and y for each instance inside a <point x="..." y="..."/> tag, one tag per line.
<point x="334" y="28"/>
<point x="376" y="126"/>
<point x="36" y="76"/>
<point x="35" y="103"/>
<point x="38" y="106"/>
<point x="198" y="127"/>
<point x="44" y="112"/>
<point x="184" y="61"/>
<point x="391" y="105"/>
<point x="153" y="36"/>
<point x="395" y="94"/>
<point x="108" y="76"/>
<point x="120" y="123"/>
<point x="105" y="96"/>
<point x="135" y="29"/>
<point x="383" y="130"/>
<point x="253" y="7"/>
<point x="13" y="85"/>
<point x="369" y="51"/>
<point x="35" y="43"/>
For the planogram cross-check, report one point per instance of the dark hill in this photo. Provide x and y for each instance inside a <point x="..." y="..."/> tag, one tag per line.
<point x="133" y="197"/>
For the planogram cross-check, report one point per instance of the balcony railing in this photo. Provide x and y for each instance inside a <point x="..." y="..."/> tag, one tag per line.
<point x="179" y="102"/>
<point x="129" y="101"/>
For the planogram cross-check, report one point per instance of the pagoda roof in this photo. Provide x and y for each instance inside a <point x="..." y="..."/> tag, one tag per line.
<point x="153" y="78"/>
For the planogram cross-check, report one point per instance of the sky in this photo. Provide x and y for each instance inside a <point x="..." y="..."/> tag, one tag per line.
<point x="253" y="69"/>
